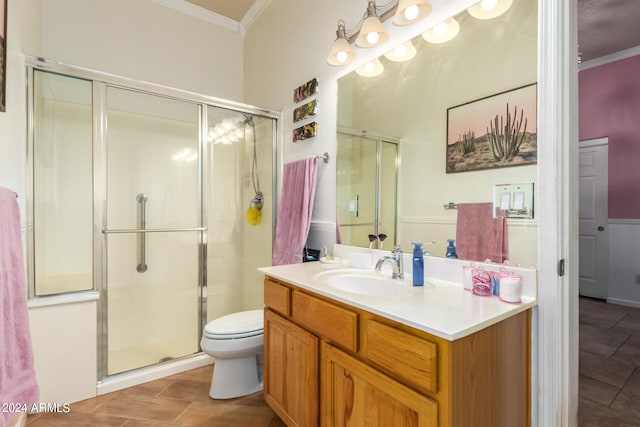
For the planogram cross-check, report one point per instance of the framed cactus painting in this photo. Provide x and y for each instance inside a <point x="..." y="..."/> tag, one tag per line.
<point x="496" y="131"/>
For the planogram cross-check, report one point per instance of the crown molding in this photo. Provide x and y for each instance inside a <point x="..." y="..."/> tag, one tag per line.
<point x="258" y="7"/>
<point x="616" y="56"/>
<point x="201" y="13"/>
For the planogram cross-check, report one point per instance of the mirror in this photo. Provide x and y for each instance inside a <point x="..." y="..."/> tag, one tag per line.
<point x="410" y="101"/>
<point x="366" y="188"/>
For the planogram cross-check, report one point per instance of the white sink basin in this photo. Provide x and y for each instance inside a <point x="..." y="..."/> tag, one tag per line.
<point x="364" y="282"/>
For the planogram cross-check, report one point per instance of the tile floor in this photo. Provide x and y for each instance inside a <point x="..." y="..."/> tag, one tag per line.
<point x="609" y="365"/>
<point x="178" y="400"/>
<point x="609" y="387"/>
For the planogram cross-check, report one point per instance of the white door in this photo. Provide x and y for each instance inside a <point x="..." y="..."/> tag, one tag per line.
<point x="594" y="213"/>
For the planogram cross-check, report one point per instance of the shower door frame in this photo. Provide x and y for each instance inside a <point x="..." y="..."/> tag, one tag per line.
<point x="378" y="139"/>
<point x="100" y="218"/>
<point x="100" y="82"/>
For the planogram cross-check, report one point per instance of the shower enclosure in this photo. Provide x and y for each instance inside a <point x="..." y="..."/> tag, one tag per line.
<point x="139" y="192"/>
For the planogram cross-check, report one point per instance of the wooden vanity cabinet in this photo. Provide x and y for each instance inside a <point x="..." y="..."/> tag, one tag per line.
<point x="330" y="364"/>
<point x="291" y="371"/>
<point x="355" y="394"/>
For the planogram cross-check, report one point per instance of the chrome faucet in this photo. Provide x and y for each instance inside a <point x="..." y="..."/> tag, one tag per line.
<point x="396" y="263"/>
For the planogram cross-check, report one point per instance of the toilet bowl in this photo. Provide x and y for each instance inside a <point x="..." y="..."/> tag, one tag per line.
<point x="236" y="342"/>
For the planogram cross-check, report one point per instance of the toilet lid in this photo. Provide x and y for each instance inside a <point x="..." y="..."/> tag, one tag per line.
<point x="236" y="325"/>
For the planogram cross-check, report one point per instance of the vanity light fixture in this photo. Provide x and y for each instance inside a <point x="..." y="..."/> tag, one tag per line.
<point x="401" y="53"/>
<point x="410" y="11"/>
<point x="489" y="9"/>
<point x="371" y="69"/>
<point x="341" y="53"/>
<point x="372" y="32"/>
<point x="442" y="32"/>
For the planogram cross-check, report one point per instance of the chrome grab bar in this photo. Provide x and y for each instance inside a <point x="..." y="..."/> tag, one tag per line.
<point x="142" y="202"/>
<point x="152" y="230"/>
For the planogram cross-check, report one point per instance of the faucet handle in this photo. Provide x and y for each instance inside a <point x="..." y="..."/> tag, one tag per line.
<point x="396" y="250"/>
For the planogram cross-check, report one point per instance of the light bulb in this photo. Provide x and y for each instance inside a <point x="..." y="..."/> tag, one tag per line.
<point x="342" y="57"/>
<point x="411" y="12"/>
<point x="369" y="67"/>
<point x="401" y="51"/>
<point x="373" y="37"/>
<point x="488" y="4"/>
<point x="440" y="29"/>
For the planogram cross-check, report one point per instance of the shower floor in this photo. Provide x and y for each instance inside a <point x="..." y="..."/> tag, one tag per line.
<point x="148" y="354"/>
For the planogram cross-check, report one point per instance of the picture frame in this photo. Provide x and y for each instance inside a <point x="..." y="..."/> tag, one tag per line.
<point x="305" y="111"/>
<point x="3" y="54"/>
<point x="496" y="131"/>
<point x="305" y="132"/>
<point x="306" y="90"/>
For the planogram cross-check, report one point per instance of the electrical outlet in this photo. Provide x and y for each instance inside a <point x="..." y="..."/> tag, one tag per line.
<point x="637" y="279"/>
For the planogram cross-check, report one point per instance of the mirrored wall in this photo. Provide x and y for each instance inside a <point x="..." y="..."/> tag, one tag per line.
<point x="411" y="100"/>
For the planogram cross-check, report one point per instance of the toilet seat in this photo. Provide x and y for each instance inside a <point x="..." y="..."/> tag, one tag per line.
<point x="244" y="324"/>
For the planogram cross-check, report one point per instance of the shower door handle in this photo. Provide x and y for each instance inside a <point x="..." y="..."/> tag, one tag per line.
<point x="142" y="223"/>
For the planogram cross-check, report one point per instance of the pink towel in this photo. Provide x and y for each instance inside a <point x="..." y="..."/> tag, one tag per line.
<point x="478" y="235"/>
<point x="295" y="209"/>
<point x="18" y="385"/>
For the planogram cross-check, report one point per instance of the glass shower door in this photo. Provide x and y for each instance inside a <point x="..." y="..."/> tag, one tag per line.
<point x="357" y="189"/>
<point x="153" y="229"/>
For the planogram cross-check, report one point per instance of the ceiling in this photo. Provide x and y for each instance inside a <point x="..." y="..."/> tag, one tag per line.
<point x="234" y="9"/>
<point x="604" y="26"/>
<point x="607" y="26"/>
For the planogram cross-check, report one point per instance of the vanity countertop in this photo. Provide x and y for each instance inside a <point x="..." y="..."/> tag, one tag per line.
<point x="440" y="307"/>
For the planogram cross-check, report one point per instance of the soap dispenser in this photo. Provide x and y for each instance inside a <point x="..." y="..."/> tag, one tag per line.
<point x="418" y="264"/>
<point x="451" y="249"/>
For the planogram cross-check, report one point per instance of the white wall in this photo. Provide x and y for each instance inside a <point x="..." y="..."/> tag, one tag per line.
<point x="64" y="348"/>
<point x="23" y="34"/>
<point x="143" y="40"/>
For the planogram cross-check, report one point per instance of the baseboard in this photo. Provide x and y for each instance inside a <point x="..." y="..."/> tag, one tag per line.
<point x="620" y="301"/>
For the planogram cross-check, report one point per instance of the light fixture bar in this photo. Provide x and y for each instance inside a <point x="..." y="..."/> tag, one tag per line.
<point x="384" y="16"/>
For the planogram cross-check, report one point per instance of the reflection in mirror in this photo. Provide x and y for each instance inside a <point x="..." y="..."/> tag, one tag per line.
<point x="410" y="100"/>
<point x="366" y="189"/>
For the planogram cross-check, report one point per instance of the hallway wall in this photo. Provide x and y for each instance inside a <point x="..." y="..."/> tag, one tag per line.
<point x="609" y="106"/>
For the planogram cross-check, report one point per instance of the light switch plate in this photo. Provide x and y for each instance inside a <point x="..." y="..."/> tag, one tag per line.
<point x="513" y="200"/>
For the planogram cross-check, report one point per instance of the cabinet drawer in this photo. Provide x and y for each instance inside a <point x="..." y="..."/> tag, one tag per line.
<point x="277" y="297"/>
<point x="334" y="323"/>
<point x="407" y="356"/>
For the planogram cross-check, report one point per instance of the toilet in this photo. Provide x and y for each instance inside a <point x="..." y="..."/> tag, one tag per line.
<point x="236" y="342"/>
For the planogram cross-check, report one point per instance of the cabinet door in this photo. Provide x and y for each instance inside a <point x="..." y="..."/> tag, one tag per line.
<point x="355" y="395"/>
<point x="290" y="371"/>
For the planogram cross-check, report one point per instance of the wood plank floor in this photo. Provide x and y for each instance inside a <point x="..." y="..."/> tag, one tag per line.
<point x="178" y="400"/>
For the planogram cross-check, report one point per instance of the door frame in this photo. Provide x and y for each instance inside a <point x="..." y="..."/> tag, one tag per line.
<point x="554" y="335"/>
